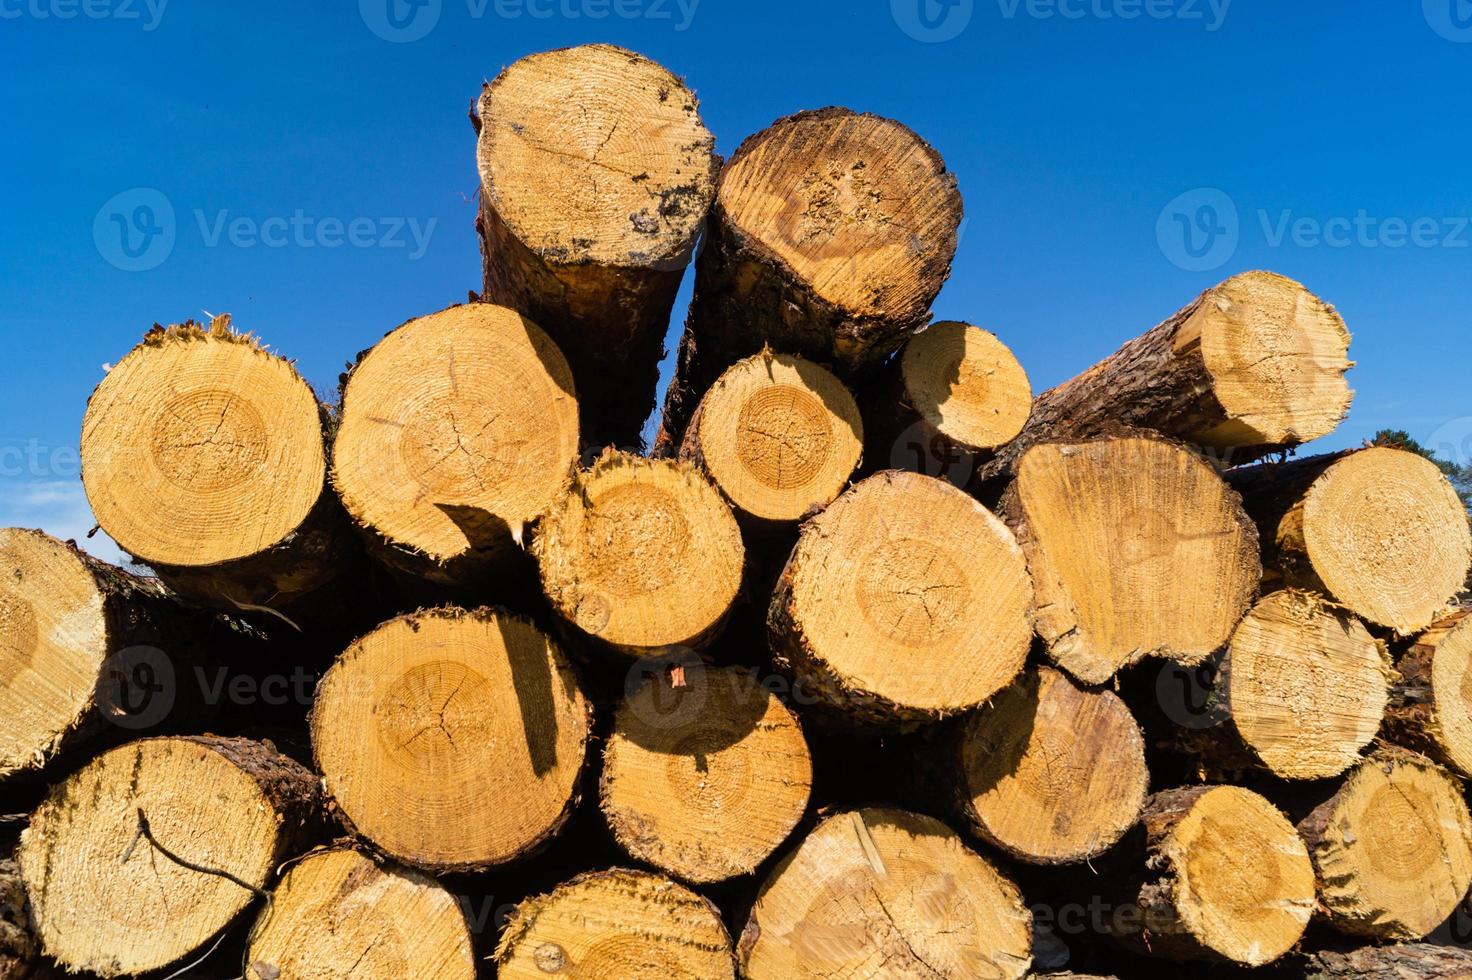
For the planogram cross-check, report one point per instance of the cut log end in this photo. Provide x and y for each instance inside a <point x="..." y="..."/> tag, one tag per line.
<point x="705" y="781"/>
<point x="200" y="448"/>
<point x="1306" y="685"/>
<point x="1276" y="355"/>
<point x="1392" y="848"/>
<point x="452" y="740"/>
<point x="904" y="600"/>
<point x="338" y="913"/>
<point x="1431" y="710"/>
<point x="594" y="154"/>
<point x="616" y="925"/>
<point x="1124" y="536"/>
<point x="779" y="435"/>
<point x="642" y="554"/>
<point x="107" y="899"/>
<point x="457" y="429"/>
<point x="859" y="208"/>
<point x="1388" y="537"/>
<point x="885" y="886"/>
<point x="966" y="384"/>
<point x="53" y="642"/>
<point x="1052" y="773"/>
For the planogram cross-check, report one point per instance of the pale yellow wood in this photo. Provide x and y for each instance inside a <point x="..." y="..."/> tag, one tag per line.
<point x="967" y="384"/>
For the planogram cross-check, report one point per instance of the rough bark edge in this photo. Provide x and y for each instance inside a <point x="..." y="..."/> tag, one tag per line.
<point x="1411" y="718"/>
<point x="1415" y="960"/>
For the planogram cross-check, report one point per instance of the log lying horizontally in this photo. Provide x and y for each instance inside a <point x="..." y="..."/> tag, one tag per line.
<point x="886" y="893"/>
<point x="1124" y="537"/>
<point x="1225" y="877"/>
<point x="616" y="924"/>
<point x="903" y="602"/>
<point x="1380" y="530"/>
<point x="706" y="780"/>
<point x="107" y="858"/>
<point x="452" y="740"/>
<point x="831" y="235"/>
<point x="1413" y="961"/>
<point x="1431" y="701"/>
<point x="1049" y="772"/>
<point x="1392" y="848"/>
<point x="203" y="457"/>
<point x="1251" y="366"/>
<point x="596" y="176"/>
<point x="780" y="437"/>
<point x="455" y="432"/>
<point x="338" y="913"/>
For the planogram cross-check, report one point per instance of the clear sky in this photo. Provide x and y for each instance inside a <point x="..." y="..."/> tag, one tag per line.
<point x="1324" y="139"/>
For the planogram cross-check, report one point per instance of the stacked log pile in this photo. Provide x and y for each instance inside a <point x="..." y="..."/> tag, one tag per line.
<point x="860" y="671"/>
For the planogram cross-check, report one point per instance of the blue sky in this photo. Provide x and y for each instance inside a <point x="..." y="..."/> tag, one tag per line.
<point x="319" y="168"/>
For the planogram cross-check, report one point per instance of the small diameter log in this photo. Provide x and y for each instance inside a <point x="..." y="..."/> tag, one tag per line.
<point x="1124" y="537"/>
<point x="112" y="858"/>
<point x="631" y="925"/>
<point x="1224" y="877"/>
<point x="641" y="555"/>
<point x="86" y="650"/>
<point x="203" y="457"/>
<point x="831" y="235"/>
<point x="705" y="781"/>
<point x="1413" y="961"/>
<point x="596" y="176"/>
<point x="1380" y="530"/>
<point x="1049" y="772"/>
<point x="876" y="892"/>
<point x="1392" y="848"/>
<point x="903" y="602"/>
<point x="1251" y="366"/>
<point x="456" y="431"/>
<point x="1305" y="685"/>
<point x="778" y="435"/>
<point x="953" y="396"/>
<point x="1431" y="695"/>
<point x="339" y="913"/>
<point x="452" y="740"/>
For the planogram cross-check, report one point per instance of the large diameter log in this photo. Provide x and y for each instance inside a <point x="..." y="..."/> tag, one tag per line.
<point x="831" y="235"/>
<point x="1392" y="848"/>
<point x="1305" y="684"/>
<point x="1124" y="537"/>
<point x="706" y="780"/>
<point x="113" y="858"/>
<point x="76" y="635"/>
<point x="778" y="435"/>
<point x="1380" y="530"/>
<point x="641" y="555"/>
<point x="1253" y="365"/>
<point x="339" y="913"/>
<point x="455" y="432"/>
<point x="1412" y="961"/>
<point x="596" y="176"/>
<point x="1431" y="695"/>
<point x="885" y="893"/>
<point x="903" y="602"/>
<point x="953" y="396"/>
<point x="1224" y="878"/>
<point x="452" y="740"/>
<point x="1049" y="772"/>
<point x="616" y="923"/>
<point x="203" y="457"/>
